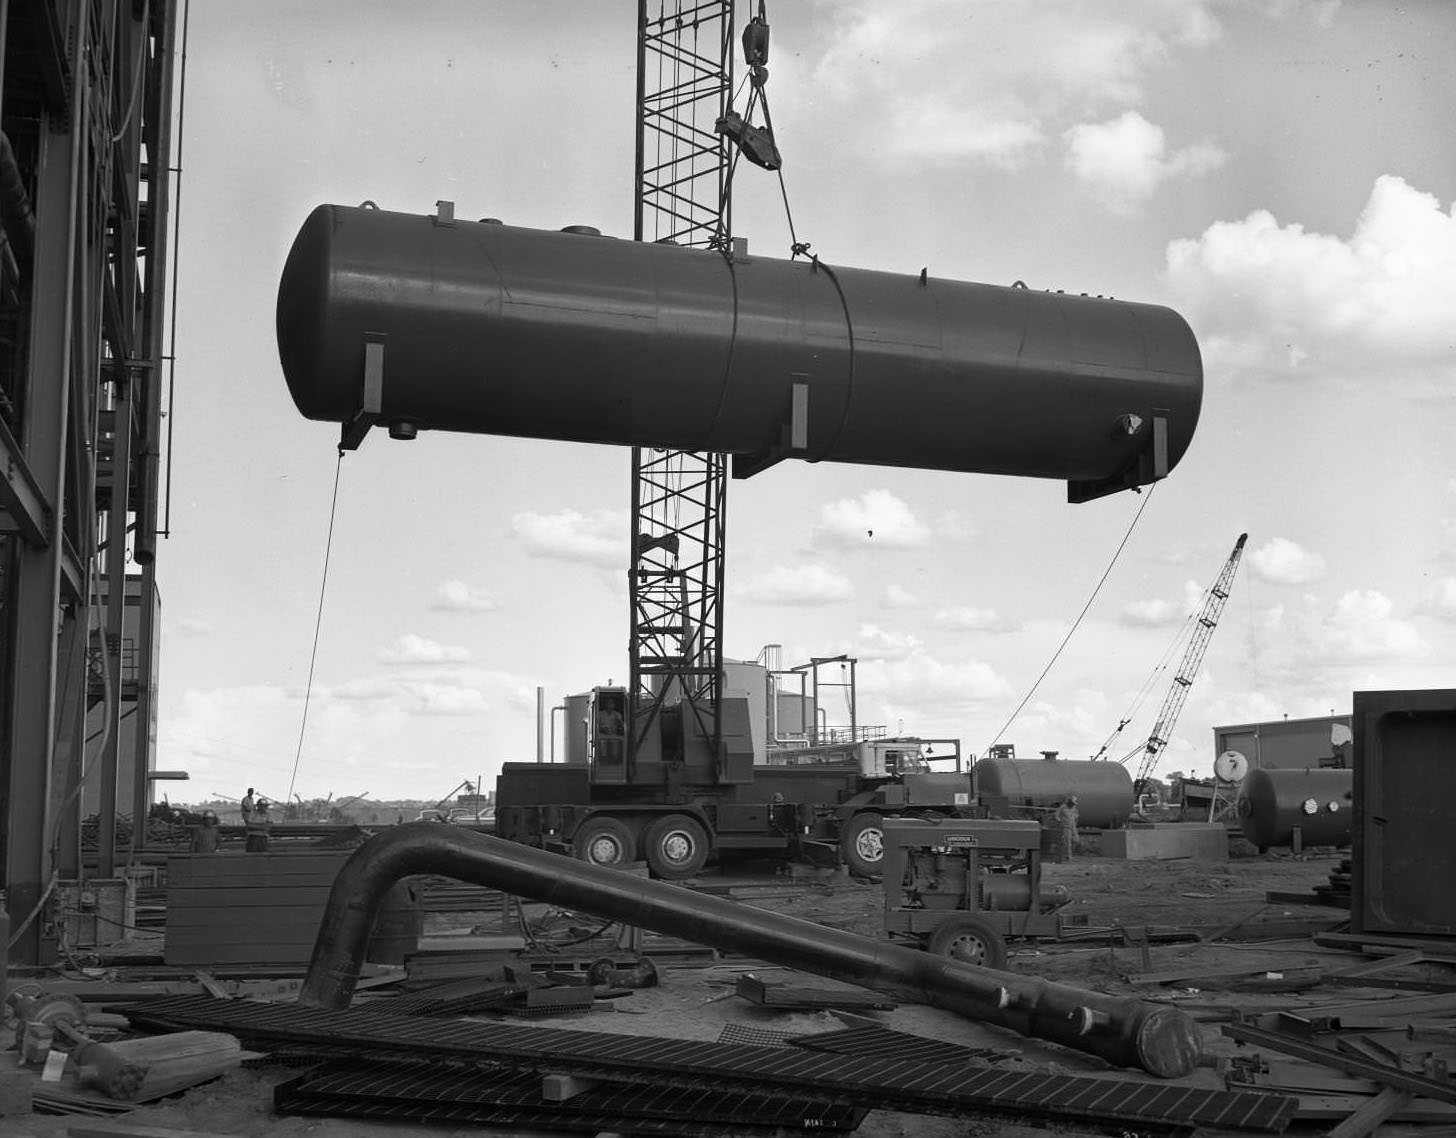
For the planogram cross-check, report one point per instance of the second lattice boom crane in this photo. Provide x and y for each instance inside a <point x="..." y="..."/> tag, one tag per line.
<point x="1207" y="621"/>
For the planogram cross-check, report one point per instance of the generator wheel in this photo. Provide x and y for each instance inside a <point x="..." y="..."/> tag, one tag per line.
<point x="862" y="843"/>
<point x="971" y="940"/>
<point x="676" y="846"/>
<point x="604" y="841"/>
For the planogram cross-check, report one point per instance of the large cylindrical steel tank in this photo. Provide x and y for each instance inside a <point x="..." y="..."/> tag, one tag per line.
<point x="496" y="329"/>
<point x="1273" y="801"/>
<point x="576" y="728"/>
<point x="1103" y="789"/>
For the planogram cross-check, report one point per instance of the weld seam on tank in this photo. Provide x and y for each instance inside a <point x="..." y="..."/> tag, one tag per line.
<point x="849" y="376"/>
<point x="723" y="388"/>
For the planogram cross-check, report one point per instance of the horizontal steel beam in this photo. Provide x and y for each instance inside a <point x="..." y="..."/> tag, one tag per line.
<point x="1442" y="1090"/>
<point x="20" y="495"/>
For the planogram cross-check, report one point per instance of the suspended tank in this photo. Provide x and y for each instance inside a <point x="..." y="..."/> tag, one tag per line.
<point x="1273" y="801"/>
<point x="1103" y="789"/>
<point x="440" y="323"/>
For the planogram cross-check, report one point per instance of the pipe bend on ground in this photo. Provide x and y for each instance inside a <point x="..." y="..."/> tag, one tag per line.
<point x="1123" y="1031"/>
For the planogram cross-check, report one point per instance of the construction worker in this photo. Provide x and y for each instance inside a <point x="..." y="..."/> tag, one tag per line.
<point x="1067" y="828"/>
<point x="205" y="836"/>
<point x="256" y="838"/>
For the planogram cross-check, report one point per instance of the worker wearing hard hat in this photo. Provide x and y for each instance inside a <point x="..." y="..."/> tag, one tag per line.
<point x="205" y="836"/>
<point x="1063" y="829"/>
<point x="256" y="835"/>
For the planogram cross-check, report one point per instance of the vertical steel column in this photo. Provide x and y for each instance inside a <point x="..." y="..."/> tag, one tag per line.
<point x="684" y="85"/>
<point x="108" y="759"/>
<point x="156" y="136"/>
<point x="42" y="616"/>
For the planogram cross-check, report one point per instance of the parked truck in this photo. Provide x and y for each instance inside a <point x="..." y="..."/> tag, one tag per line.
<point x="822" y="795"/>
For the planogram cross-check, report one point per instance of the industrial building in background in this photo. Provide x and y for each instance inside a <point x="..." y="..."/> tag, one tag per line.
<point x="85" y="187"/>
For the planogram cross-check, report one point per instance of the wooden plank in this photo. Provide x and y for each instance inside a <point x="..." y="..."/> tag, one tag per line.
<point x="1371" y="1114"/>
<point x="233" y="934"/>
<point x="1195" y="972"/>
<point x="1400" y="1005"/>
<point x="1331" y="1107"/>
<point x="1435" y="947"/>
<point x="211" y="986"/>
<point x="108" y="1128"/>
<point x="1370" y="967"/>
<point x="1393" y="983"/>
<point x="191" y="895"/>
<point x="280" y="921"/>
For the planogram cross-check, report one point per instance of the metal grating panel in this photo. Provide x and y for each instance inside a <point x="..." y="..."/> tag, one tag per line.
<point x="756" y="1036"/>
<point x="604" y="1105"/>
<point x="895" y="1084"/>
<point x="810" y="999"/>
<point x="456" y="998"/>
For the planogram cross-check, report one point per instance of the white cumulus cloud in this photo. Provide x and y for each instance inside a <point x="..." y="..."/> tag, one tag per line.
<point x="1283" y="562"/>
<point x="994" y="83"/>
<point x="876" y="519"/>
<point x="872" y="642"/>
<point x="1276" y="299"/>
<point x="803" y="585"/>
<point x="1125" y="160"/>
<point x="1362" y="626"/>
<point x="412" y="649"/>
<point x="567" y="535"/>
<point x="897" y="597"/>
<point x="1149" y="614"/>
<point x="457" y="596"/>
<point x="921" y="680"/>
<point x="1441" y="601"/>
<point x="968" y="618"/>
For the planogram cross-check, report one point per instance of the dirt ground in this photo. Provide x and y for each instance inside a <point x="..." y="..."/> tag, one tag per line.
<point x="697" y="1002"/>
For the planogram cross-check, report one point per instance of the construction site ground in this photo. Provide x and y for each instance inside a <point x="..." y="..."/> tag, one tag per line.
<point x="1277" y="965"/>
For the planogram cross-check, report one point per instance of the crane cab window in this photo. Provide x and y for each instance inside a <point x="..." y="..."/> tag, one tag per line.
<point x="609" y="726"/>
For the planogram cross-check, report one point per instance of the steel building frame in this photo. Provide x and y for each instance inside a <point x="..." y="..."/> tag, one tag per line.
<point x="85" y="172"/>
<point x="684" y="85"/>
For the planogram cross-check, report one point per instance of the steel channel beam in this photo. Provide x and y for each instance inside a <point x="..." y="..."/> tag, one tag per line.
<point x="20" y="494"/>
<point x="1443" y="1091"/>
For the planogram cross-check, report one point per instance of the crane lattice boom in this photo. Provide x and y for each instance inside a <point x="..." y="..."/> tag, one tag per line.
<point x="1213" y="602"/>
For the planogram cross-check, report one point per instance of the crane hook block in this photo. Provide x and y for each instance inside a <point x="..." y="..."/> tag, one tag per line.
<point x="755" y="42"/>
<point x="498" y="329"/>
<point x="755" y="142"/>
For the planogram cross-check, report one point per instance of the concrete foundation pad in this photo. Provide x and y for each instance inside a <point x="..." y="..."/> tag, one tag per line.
<point x="1164" y="841"/>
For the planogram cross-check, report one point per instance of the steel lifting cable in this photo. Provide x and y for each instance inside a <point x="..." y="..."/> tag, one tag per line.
<point x="1148" y="497"/>
<point x="1146" y="690"/>
<point x="317" y="625"/>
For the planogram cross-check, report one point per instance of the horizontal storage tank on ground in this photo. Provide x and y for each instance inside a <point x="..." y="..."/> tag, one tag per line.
<point x="494" y="329"/>
<point x="1319" y="801"/>
<point x="1103" y="789"/>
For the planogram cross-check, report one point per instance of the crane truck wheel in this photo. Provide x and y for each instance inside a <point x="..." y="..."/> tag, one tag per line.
<point x="604" y="841"/>
<point x="969" y="940"/>
<point x="676" y="846"/>
<point x="862" y="843"/>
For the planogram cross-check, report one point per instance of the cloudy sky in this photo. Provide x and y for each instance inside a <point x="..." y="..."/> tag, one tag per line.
<point x="1281" y="172"/>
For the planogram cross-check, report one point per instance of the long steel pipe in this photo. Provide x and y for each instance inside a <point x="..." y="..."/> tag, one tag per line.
<point x="1125" y="1032"/>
